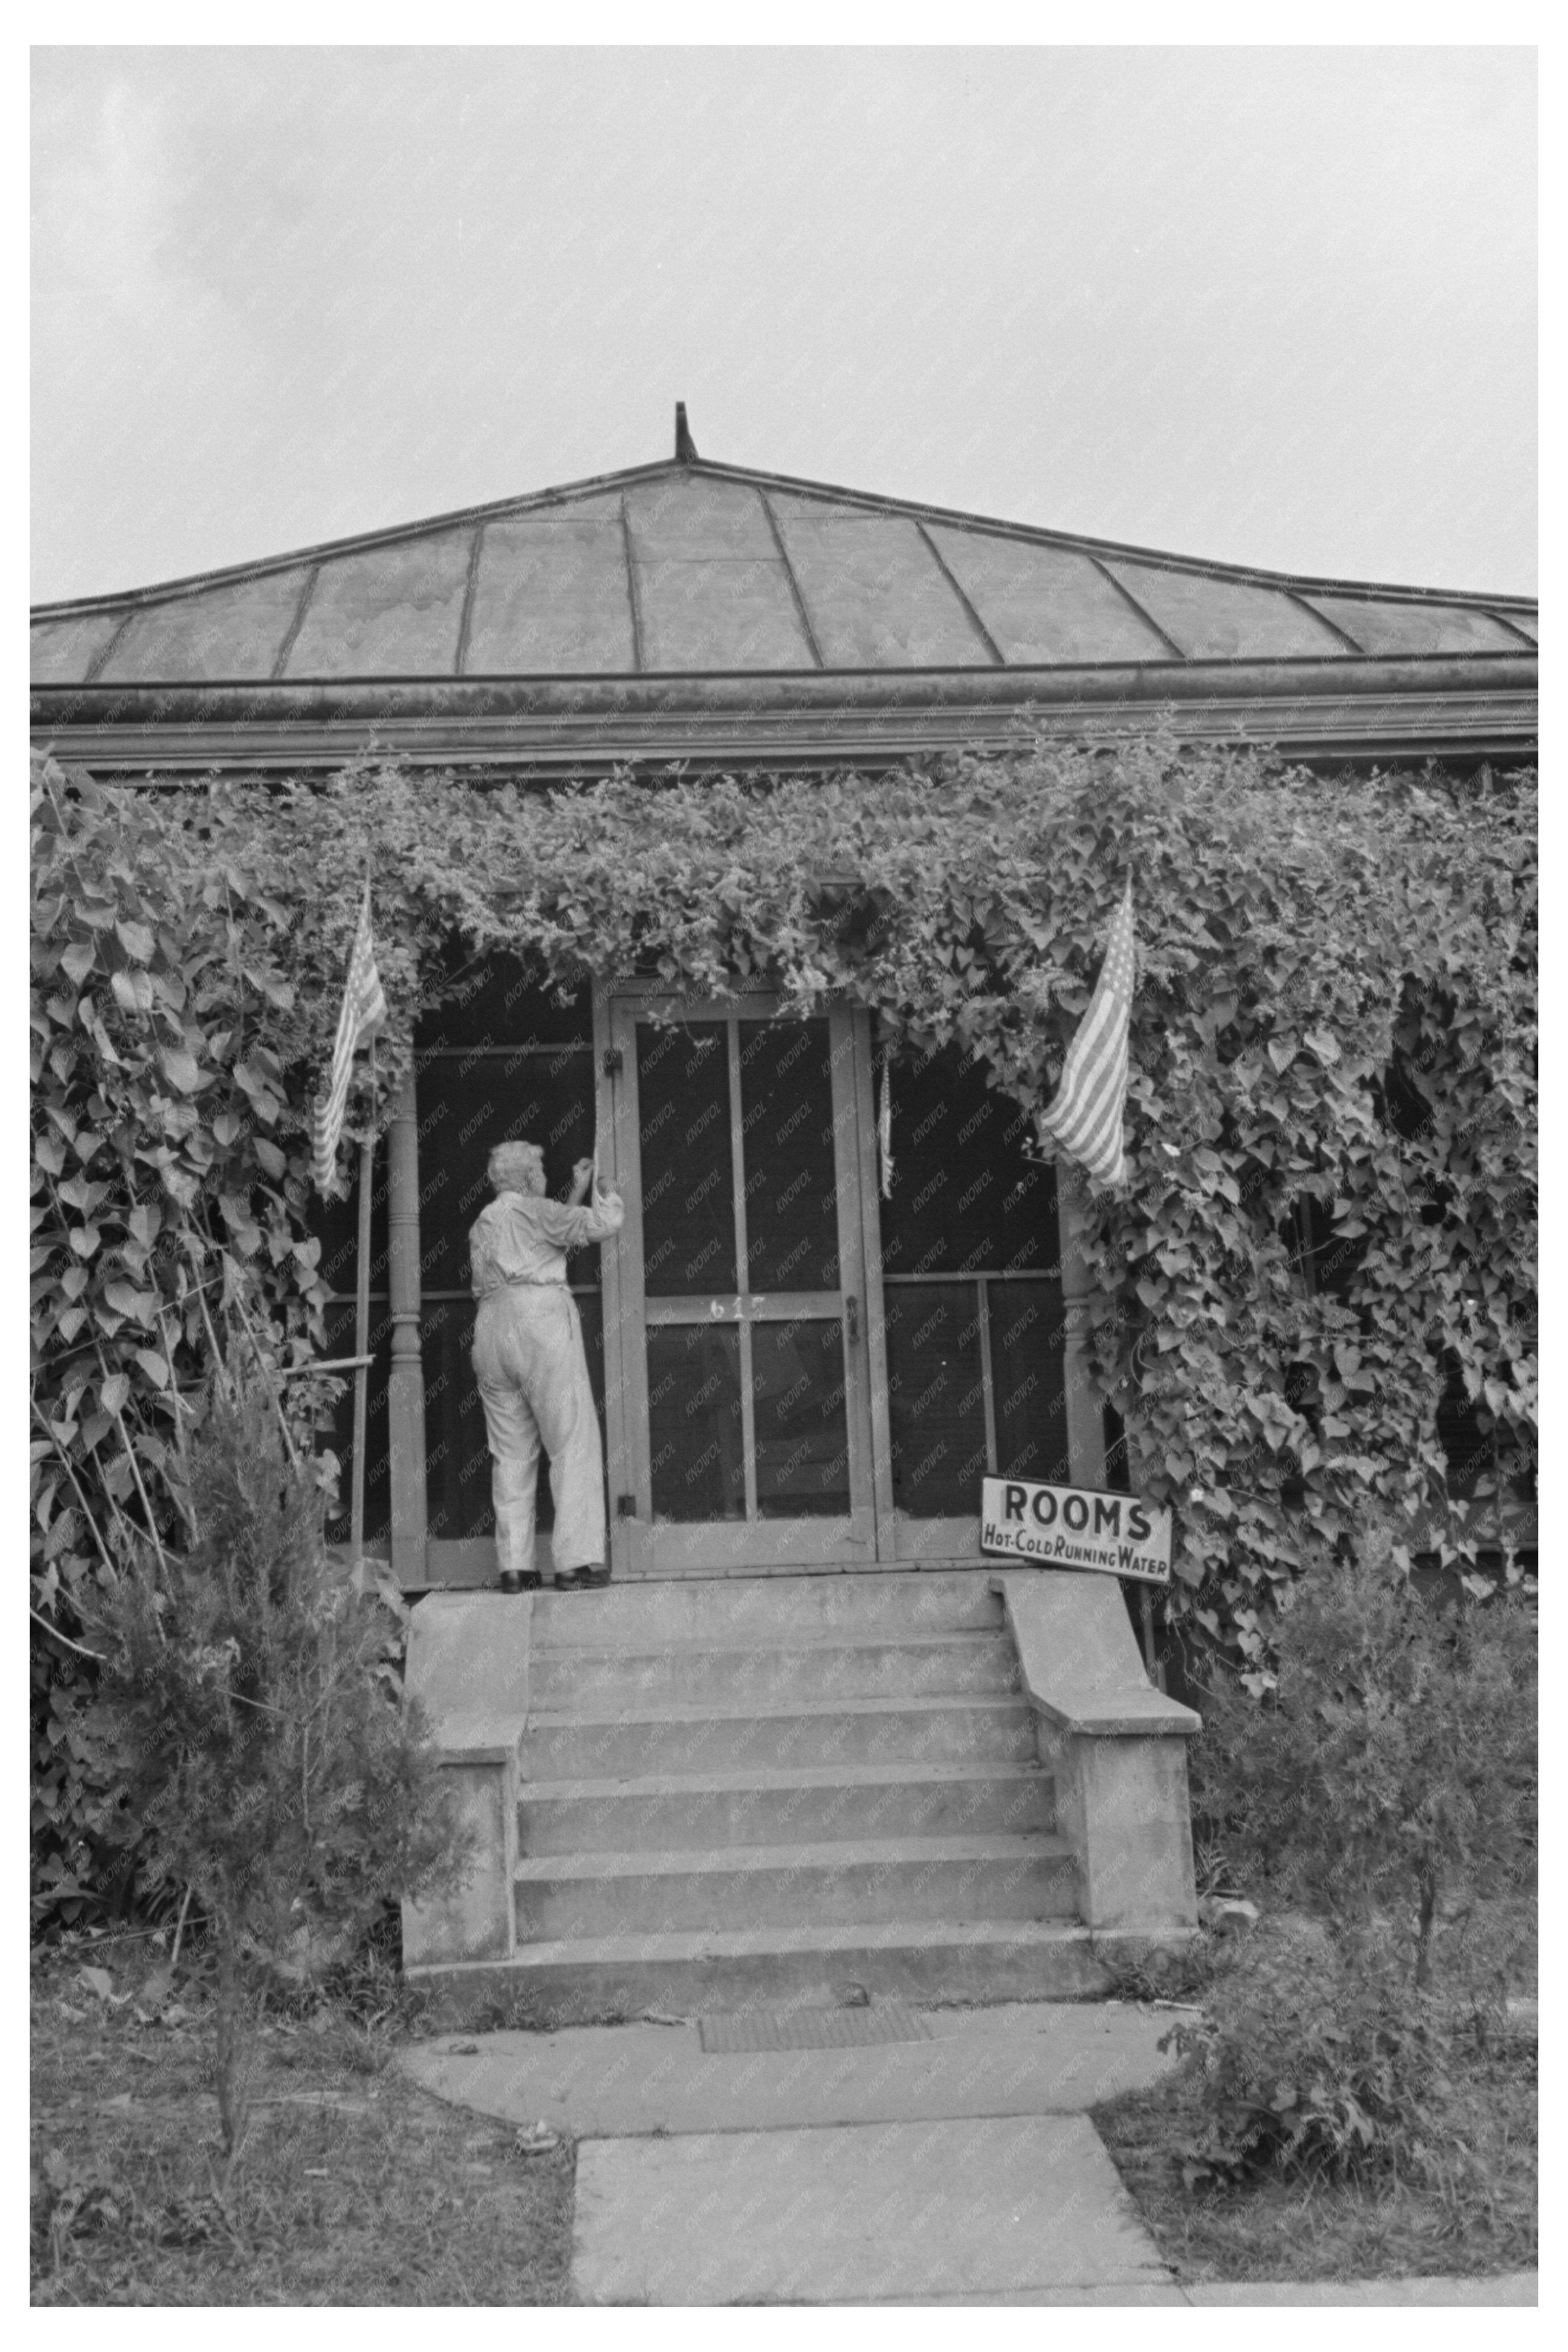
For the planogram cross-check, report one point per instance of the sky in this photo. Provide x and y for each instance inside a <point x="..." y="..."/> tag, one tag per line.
<point x="1268" y="305"/>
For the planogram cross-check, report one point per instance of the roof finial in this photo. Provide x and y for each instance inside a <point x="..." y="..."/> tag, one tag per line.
<point x="685" y="447"/>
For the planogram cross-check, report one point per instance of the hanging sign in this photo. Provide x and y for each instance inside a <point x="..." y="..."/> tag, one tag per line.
<point x="1075" y="1527"/>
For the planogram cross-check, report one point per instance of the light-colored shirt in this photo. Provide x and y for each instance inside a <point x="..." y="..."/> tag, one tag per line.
<point x="523" y="1237"/>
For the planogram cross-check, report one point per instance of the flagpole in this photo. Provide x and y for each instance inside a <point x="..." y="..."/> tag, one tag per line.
<point x="362" y="1325"/>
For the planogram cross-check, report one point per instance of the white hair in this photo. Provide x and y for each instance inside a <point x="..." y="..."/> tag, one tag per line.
<point x="517" y="1167"/>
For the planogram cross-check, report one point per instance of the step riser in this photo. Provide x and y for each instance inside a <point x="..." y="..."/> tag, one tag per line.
<point x="959" y="1733"/>
<point x="766" y="1609"/>
<point x="1037" y="1887"/>
<point x="714" y="1817"/>
<point x="560" y="1679"/>
<point x="559" y="1993"/>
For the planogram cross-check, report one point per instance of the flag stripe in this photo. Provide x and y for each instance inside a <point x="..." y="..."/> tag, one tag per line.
<point x="1085" y="1119"/>
<point x="1095" y="1094"/>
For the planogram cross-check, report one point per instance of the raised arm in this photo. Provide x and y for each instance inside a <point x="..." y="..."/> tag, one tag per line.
<point x="569" y="1227"/>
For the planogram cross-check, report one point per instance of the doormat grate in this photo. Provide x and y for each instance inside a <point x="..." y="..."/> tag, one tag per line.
<point x="816" y="2029"/>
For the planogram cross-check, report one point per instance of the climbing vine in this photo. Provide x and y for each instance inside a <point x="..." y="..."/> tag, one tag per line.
<point x="1330" y="1119"/>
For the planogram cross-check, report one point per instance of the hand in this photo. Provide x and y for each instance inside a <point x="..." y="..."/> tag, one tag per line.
<point x="581" y="1175"/>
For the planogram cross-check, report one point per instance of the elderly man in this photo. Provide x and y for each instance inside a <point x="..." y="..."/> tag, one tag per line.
<point x="532" y="1370"/>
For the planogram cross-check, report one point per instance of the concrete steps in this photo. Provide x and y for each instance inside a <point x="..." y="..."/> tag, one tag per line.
<point x="600" y="1741"/>
<point x="766" y="1789"/>
<point x="760" y="1790"/>
<point x="804" y="1803"/>
<point x="827" y="1666"/>
<point x="584" y="1979"/>
<point x="764" y="1610"/>
<point x="840" y="1881"/>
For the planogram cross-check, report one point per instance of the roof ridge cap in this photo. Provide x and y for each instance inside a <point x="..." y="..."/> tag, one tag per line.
<point x="557" y="494"/>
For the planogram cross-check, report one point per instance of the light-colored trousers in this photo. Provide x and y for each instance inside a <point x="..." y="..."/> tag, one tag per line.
<point x="533" y="1382"/>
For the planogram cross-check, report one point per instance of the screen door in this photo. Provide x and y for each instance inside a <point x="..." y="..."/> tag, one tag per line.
<point x="741" y="1291"/>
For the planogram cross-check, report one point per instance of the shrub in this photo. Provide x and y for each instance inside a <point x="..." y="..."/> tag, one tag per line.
<point x="1317" y="2061"/>
<point x="249" y="1687"/>
<point x="1393" y="1761"/>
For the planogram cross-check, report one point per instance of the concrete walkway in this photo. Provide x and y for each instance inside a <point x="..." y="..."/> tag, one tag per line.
<point x="606" y="2081"/>
<point x="960" y="2168"/>
<point x="864" y="2212"/>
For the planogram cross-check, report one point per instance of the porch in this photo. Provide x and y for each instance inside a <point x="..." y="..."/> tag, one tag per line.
<point x="809" y="1342"/>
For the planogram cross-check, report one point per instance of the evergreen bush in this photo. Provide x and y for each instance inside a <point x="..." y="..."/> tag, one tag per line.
<point x="250" y="1688"/>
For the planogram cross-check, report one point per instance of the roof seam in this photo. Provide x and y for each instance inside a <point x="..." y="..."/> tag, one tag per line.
<point x="633" y="599"/>
<point x="795" y="590"/>
<point x="100" y="661"/>
<point x="986" y="639"/>
<point x="1306" y="606"/>
<point x="291" y="634"/>
<point x="469" y="585"/>
<point x="1514" y="631"/>
<point x="1122" y="590"/>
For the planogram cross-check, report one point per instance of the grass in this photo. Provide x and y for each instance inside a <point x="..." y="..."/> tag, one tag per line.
<point x="1462" y="2218"/>
<point x="352" y="2187"/>
<point x="356" y="2188"/>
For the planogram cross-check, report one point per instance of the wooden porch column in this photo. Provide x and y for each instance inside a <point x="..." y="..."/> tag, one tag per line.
<point x="405" y="1386"/>
<point x="1085" y="1304"/>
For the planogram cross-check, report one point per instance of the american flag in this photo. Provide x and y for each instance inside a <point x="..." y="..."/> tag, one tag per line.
<point x="1085" y="1119"/>
<point x="364" y="1013"/>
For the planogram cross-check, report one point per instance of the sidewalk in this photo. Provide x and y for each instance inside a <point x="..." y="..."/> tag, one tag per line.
<point x="959" y="2167"/>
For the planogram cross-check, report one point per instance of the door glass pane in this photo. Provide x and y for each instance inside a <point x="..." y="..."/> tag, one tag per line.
<point x="936" y="1398"/>
<point x="786" y="1118"/>
<point x="965" y="1197"/>
<point x="1026" y="1372"/>
<point x="803" y="1438"/>
<point x="694" y="1422"/>
<point x="687" y="1189"/>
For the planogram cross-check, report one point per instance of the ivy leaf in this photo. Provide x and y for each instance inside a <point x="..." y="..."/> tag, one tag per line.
<point x="132" y="992"/>
<point x="144" y="1222"/>
<point x="181" y="1070"/>
<point x="77" y="960"/>
<point x="275" y="1161"/>
<point x="47" y="1153"/>
<point x="114" y="1391"/>
<point x="1280" y="1053"/>
<point x="136" y="939"/>
<point x="137" y="1305"/>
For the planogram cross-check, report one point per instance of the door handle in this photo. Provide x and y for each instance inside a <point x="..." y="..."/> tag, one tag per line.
<point x="852" y="1318"/>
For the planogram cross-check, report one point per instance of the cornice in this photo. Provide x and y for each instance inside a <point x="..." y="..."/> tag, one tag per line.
<point x="1429" y="706"/>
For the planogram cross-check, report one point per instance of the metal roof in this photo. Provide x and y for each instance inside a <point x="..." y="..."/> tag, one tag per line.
<point x="691" y="569"/>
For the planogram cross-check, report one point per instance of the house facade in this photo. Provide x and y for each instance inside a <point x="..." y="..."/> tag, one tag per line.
<point x="800" y="1368"/>
<point x="862" y="1353"/>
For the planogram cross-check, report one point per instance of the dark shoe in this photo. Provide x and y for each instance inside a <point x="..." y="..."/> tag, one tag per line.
<point x="514" y="1579"/>
<point x="594" y="1579"/>
<point x="581" y="1580"/>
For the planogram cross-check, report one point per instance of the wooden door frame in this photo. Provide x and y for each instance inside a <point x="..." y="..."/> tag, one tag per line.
<point x="640" y="1546"/>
